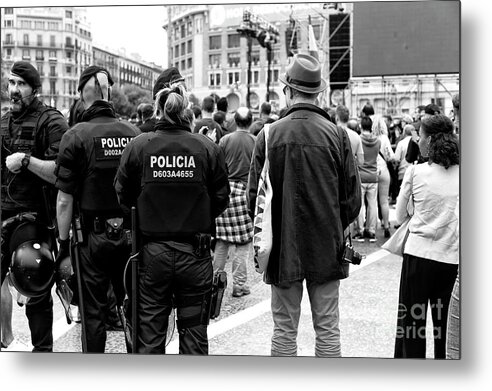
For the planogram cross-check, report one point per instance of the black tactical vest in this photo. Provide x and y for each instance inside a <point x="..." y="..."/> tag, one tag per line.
<point x="22" y="191"/>
<point x="174" y="200"/>
<point x="104" y="141"/>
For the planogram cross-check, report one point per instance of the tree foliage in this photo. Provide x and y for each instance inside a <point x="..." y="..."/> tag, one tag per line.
<point x="127" y="98"/>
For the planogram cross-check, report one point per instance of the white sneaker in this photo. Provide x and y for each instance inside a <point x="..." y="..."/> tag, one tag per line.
<point x="17" y="346"/>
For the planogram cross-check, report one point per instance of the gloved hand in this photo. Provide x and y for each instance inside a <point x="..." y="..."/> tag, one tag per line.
<point x="63" y="252"/>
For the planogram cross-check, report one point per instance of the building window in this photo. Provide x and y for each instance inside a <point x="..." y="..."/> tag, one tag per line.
<point x="39" y="55"/>
<point x="8" y="39"/>
<point x="68" y="42"/>
<point x="273" y="75"/>
<point x="9" y="52"/>
<point x="9" y="23"/>
<point x="215" y="42"/>
<point x="53" y="26"/>
<point x="233" y="59"/>
<point x="68" y="14"/>
<point x="53" y="87"/>
<point x="39" y="65"/>
<point x="256" y="77"/>
<point x="214" y="80"/>
<point x="255" y="57"/>
<point x="233" y="40"/>
<point x="190" y="63"/>
<point x="276" y="56"/>
<point x="189" y="47"/>
<point x="69" y="55"/>
<point x="52" y="53"/>
<point x="183" y="31"/>
<point x="39" y="25"/>
<point x="69" y="70"/>
<point x="68" y="27"/>
<point x="26" y="39"/>
<point x="9" y="11"/>
<point x="199" y="25"/>
<point x="233" y="77"/>
<point x="26" y="55"/>
<point x="40" y="40"/>
<point x="189" y="27"/>
<point x="183" y="64"/>
<point x="25" y="24"/>
<point x="176" y="51"/>
<point x="52" y="70"/>
<point x="215" y="60"/>
<point x="183" y="49"/>
<point x="52" y="41"/>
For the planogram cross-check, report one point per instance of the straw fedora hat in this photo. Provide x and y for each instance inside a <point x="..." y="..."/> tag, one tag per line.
<point x="304" y="74"/>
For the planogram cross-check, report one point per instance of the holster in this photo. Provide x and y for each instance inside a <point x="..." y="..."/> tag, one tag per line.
<point x="201" y="245"/>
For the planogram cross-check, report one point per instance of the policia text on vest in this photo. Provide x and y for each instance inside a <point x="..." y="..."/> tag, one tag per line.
<point x="178" y="166"/>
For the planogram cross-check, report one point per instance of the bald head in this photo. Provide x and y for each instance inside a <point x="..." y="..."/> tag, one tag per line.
<point x="408" y="129"/>
<point x="243" y="118"/>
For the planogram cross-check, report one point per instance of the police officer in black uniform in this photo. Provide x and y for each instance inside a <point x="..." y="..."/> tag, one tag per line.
<point x="86" y="165"/>
<point x="178" y="182"/>
<point x="30" y="136"/>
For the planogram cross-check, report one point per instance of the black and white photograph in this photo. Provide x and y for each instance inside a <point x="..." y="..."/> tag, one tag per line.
<point x="273" y="182"/>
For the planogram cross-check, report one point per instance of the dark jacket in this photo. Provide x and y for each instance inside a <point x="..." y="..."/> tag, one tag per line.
<point x="177" y="180"/>
<point x="310" y="169"/>
<point x="89" y="157"/>
<point x="147" y="126"/>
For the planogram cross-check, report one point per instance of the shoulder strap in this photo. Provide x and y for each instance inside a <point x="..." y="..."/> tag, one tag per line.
<point x="266" y="130"/>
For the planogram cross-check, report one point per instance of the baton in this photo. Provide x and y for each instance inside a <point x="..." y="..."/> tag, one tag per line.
<point x="134" y="269"/>
<point x="79" y="238"/>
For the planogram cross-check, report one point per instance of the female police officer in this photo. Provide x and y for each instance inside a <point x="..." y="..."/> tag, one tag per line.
<point x="178" y="181"/>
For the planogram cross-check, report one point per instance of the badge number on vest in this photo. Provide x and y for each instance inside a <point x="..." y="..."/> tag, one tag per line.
<point x="172" y="168"/>
<point x="109" y="148"/>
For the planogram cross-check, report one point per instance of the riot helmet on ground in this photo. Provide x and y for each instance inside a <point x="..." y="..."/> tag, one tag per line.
<point x="32" y="266"/>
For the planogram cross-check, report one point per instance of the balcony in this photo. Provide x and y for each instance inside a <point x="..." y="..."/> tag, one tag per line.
<point x="8" y="43"/>
<point x="70" y="46"/>
<point x="39" y="58"/>
<point x="52" y="59"/>
<point x="53" y="75"/>
<point x="27" y="58"/>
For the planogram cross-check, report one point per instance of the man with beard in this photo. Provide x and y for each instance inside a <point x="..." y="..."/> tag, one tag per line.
<point x="30" y="137"/>
<point x="86" y="166"/>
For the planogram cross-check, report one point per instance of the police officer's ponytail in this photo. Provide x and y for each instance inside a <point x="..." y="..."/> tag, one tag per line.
<point x="170" y="104"/>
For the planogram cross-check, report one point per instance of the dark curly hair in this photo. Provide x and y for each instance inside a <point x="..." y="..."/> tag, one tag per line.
<point x="443" y="145"/>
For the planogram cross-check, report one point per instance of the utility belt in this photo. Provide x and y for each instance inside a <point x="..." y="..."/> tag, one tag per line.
<point x="200" y="241"/>
<point x="110" y="224"/>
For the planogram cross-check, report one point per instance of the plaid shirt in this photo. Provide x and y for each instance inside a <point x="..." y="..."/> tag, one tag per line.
<point x="234" y="225"/>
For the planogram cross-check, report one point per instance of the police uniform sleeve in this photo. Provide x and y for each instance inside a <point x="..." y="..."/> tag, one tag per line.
<point x="257" y="161"/>
<point x="54" y="127"/>
<point x="126" y="181"/>
<point x="219" y="189"/>
<point x="69" y="162"/>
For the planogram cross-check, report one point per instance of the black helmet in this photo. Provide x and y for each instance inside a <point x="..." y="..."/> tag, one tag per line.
<point x="32" y="266"/>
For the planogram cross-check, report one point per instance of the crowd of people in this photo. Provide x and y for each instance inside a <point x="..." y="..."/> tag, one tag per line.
<point x="192" y="173"/>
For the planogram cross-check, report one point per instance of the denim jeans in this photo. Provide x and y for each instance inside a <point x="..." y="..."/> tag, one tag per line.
<point x="242" y="254"/>
<point x="369" y="191"/>
<point x="286" y="311"/>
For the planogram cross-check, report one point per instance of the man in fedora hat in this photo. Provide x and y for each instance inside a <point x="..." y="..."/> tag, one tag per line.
<point x="316" y="195"/>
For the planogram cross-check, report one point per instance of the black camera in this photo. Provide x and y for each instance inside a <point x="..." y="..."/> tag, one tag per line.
<point x="352" y="256"/>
